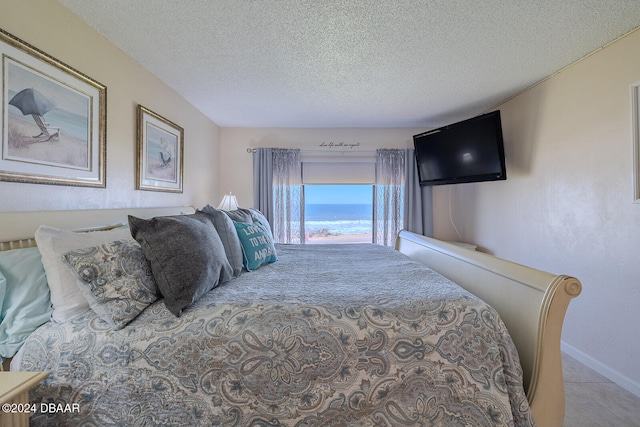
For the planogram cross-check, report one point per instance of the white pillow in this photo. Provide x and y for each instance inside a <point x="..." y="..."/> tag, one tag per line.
<point x="67" y="300"/>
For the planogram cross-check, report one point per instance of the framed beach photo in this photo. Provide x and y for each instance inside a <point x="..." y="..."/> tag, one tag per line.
<point x="635" y="133"/>
<point x="160" y="148"/>
<point x="53" y="120"/>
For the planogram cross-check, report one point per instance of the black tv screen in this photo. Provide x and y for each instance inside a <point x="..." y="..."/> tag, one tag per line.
<point x="467" y="151"/>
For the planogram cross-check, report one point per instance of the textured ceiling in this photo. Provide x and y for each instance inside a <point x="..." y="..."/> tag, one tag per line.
<point x="358" y="63"/>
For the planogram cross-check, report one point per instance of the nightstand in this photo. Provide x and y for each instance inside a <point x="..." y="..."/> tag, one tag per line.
<point x="14" y="390"/>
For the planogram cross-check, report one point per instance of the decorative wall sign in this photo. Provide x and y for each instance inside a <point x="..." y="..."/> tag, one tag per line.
<point x="341" y="145"/>
<point x="53" y="119"/>
<point x="160" y="148"/>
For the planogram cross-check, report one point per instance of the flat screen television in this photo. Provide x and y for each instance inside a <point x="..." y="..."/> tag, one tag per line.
<point x="468" y="151"/>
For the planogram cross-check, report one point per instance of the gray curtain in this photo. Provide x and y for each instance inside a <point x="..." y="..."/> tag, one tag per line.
<point x="389" y="198"/>
<point x="278" y="192"/>
<point x="400" y="202"/>
<point x="418" y="206"/>
<point x="263" y="182"/>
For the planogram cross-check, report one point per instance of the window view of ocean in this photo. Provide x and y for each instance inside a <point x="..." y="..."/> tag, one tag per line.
<point x="326" y="222"/>
<point x="338" y="213"/>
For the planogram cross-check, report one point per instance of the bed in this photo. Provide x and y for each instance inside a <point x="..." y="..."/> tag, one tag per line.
<point x="408" y="347"/>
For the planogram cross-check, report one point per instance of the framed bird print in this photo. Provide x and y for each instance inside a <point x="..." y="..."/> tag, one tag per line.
<point x="635" y="132"/>
<point x="53" y="119"/>
<point x="160" y="148"/>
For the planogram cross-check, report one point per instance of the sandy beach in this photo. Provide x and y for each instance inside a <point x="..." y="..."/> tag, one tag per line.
<point x="341" y="238"/>
<point x="62" y="150"/>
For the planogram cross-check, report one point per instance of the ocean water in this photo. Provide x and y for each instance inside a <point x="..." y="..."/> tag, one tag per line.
<point x="69" y="123"/>
<point x="339" y="218"/>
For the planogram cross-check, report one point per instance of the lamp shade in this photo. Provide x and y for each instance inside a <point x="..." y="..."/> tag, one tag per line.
<point x="228" y="203"/>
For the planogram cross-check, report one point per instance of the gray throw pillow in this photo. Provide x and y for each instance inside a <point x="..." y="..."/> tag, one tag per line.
<point x="250" y="215"/>
<point x="240" y="215"/>
<point x="228" y="235"/>
<point x="186" y="255"/>
<point x="259" y="217"/>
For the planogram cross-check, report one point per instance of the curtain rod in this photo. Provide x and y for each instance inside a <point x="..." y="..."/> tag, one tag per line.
<point x="329" y="151"/>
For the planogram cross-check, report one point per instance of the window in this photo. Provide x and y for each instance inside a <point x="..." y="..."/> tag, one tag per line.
<point x="339" y="213"/>
<point x="359" y="191"/>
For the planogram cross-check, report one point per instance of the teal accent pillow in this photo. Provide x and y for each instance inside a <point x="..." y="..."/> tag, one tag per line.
<point x="24" y="298"/>
<point x="257" y="245"/>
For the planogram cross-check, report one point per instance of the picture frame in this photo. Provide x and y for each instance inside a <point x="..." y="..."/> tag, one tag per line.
<point x="53" y="119"/>
<point x="635" y="131"/>
<point x="160" y="148"/>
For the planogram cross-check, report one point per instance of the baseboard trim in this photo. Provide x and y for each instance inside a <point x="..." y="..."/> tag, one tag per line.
<point x="624" y="382"/>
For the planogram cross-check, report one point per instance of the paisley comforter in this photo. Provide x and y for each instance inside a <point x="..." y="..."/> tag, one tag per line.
<point x="330" y="335"/>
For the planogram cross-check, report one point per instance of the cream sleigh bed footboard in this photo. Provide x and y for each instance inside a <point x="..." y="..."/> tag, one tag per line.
<point x="532" y="304"/>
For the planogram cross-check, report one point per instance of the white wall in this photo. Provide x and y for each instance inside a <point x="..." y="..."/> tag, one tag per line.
<point x="52" y="28"/>
<point x="566" y="206"/>
<point x="236" y="164"/>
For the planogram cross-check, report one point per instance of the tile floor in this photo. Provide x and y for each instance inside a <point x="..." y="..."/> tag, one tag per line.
<point x="594" y="401"/>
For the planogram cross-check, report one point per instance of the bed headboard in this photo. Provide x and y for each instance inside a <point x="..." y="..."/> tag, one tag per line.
<point x="17" y="228"/>
<point x="532" y="303"/>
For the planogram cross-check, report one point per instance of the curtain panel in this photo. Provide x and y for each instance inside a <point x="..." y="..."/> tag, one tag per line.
<point x="400" y="202"/>
<point x="418" y="200"/>
<point x="263" y="182"/>
<point x="389" y="195"/>
<point x="278" y="191"/>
